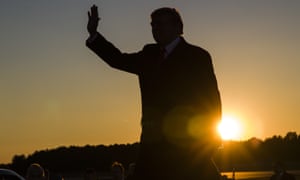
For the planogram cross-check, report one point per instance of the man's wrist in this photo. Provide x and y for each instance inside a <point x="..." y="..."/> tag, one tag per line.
<point x="93" y="33"/>
<point x="92" y="37"/>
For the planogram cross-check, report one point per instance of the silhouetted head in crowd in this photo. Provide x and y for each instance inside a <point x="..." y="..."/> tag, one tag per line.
<point x="278" y="167"/>
<point x="35" y="172"/>
<point x="90" y="174"/>
<point x="117" y="170"/>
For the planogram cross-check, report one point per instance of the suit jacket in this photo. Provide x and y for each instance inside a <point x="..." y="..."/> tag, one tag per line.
<point x="180" y="96"/>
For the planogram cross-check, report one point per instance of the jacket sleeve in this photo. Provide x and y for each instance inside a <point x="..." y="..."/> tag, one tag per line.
<point x="212" y="88"/>
<point x="210" y="96"/>
<point x="203" y="82"/>
<point x="129" y="62"/>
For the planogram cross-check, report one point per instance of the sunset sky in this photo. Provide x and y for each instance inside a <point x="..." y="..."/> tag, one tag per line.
<point x="55" y="92"/>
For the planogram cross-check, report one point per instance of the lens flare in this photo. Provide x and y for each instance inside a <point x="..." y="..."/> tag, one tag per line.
<point x="229" y="128"/>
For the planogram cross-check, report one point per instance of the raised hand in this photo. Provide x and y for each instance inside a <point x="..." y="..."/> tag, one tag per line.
<point x="93" y="20"/>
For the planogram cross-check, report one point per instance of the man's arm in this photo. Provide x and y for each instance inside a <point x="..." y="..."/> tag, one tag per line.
<point x="106" y="50"/>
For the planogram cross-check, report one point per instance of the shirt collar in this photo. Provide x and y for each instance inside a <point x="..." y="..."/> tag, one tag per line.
<point x="170" y="47"/>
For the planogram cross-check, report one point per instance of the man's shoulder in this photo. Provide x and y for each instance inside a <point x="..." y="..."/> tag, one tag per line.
<point x="183" y="46"/>
<point x="195" y="48"/>
<point x="150" y="49"/>
<point x="152" y="46"/>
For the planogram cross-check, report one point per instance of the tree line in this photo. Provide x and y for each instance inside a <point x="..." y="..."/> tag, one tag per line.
<point x="252" y="154"/>
<point x="255" y="154"/>
<point x="76" y="159"/>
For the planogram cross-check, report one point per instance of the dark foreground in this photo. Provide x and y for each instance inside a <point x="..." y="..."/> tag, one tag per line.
<point x="245" y="175"/>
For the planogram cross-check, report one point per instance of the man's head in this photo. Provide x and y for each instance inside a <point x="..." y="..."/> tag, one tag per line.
<point x="166" y="25"/>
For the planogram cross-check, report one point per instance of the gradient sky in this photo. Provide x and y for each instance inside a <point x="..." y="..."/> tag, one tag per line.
<point x="54" y="91"/>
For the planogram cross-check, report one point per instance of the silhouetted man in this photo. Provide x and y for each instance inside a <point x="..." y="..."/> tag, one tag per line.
<point x="180" y="99"/>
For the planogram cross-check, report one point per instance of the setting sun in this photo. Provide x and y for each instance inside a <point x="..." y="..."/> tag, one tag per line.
<point x="229" y="128"/>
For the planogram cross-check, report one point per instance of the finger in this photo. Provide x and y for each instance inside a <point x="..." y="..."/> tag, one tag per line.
<point x="89" y="14"/>
<point x="94" y="11"/>
<point x="94" y="6"/>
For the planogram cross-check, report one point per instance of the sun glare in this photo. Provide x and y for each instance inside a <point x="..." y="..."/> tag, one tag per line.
<point x="229" y="128"/>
